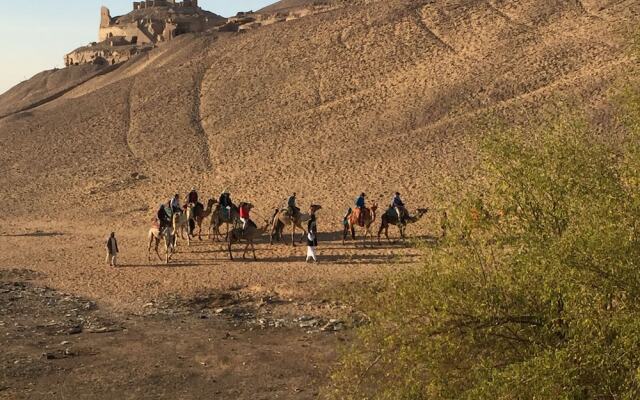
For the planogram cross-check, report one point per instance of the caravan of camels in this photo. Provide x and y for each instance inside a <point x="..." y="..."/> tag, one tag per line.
<point x="174" y="222"/>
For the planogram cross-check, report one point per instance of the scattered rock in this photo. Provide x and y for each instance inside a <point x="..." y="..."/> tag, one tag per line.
<point x="75" y="330"/>
<point x="333" y="325"/>
<point x="312" y="323"/>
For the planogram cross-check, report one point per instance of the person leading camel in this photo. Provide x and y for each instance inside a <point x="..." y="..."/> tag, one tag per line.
<point x="312" y="237"/>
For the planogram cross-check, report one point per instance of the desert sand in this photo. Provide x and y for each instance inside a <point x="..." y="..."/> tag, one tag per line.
<point x="374" y="96"/>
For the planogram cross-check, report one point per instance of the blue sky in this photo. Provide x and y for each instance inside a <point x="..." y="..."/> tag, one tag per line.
<point x="36" y="34"/>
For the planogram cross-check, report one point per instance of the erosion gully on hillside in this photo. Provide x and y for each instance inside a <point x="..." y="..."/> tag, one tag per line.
<point x="58" y="345"/>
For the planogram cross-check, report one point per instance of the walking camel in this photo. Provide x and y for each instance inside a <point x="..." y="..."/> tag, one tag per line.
<point x="282" y="218"/>
<point x="249" y="235"/>
<point x="200" y="214"/>
<point x="391" y="218"/>
<point x="180" y="223"/>
<point x="352" y="221"/>
<point x="167" y="235"/>
<point x="221" y="216"/>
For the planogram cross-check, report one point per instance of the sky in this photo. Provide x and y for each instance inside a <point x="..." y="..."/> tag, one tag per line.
<point x="36" y="34"/>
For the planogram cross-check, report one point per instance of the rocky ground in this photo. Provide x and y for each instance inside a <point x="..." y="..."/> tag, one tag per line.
<point x="215" y="345"/>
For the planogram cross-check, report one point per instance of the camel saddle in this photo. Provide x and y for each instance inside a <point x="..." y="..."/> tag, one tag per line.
<point x="360" y="214"/>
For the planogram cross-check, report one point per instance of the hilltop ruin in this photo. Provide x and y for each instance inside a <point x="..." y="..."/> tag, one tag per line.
<point x="150" y="22"/>
<point x="156" y="21"/>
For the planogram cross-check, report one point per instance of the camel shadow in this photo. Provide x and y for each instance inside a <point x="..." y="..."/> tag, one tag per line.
<point x="172" y="264"/>
<point x="369" y="259"/>
<point x="33" y="234"/>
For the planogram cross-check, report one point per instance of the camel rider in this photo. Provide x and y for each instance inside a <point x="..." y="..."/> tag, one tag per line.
<point x="360" y="206"/>
<point x="225" y="202"/>
<point x="245" y="209"/>
<point x="163" y="217"/>
<point x="398" y="205"/>
<point x="292" y="209"/>
<point x="192" y="197"/>
<point x="175" y="204"/>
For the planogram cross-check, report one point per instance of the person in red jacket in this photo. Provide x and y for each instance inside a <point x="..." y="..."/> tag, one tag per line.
<point x="245" y="210"/>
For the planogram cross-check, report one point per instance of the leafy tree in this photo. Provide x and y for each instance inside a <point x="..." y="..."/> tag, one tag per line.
<point x="535" y="291"/>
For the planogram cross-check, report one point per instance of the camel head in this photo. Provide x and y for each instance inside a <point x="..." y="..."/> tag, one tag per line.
<point x="211" y="202"/>
<point x="374" y="207"/>
<point x="420" y="212"/>
<point x="315" y="207"/>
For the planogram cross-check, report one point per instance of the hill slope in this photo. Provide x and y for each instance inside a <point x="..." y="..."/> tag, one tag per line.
<point x="376" y="96"/>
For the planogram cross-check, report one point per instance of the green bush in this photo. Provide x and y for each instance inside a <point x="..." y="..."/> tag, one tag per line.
<point x="535" y="291"/>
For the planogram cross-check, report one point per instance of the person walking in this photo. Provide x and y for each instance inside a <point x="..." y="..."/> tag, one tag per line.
<point x="312" y="238"/>
<point x="112" y="249"/>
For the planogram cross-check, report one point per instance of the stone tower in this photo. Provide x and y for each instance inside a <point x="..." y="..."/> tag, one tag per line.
<point x="105" y="17"/>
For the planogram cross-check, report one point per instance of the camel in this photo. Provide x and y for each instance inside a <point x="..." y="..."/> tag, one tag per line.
<point x="391" y="218"/>
<point x="250" y="235"/>
<point x="167" y="235"/>
<point x="199" y="215"/>
<point x="180" y="223"/>
<point x="219" y="217"/>
<point x="282" y="219"/>
<point x="352" y="222"/>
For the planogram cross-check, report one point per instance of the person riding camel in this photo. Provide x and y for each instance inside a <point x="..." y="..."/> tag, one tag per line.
<point x="245" y="210"/>
<point x="192" y="197"/>
<point x="360" y="207"/>
<point x="292" y="209"/>
<point x="225" y="202"/>
<point x="164" y="220"/>
<point x="175" y="204"/>
<point x="398" y="205"/>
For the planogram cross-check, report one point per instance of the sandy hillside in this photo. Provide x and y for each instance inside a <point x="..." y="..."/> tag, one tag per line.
<point x="373" y="96"/>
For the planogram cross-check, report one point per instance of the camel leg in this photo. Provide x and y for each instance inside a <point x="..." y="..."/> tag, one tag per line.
<point x="229" y="248"/>
<point x="345" y="232"/>
<point x="199" y="230"/>
<point x="380" y="232"/>
<point x="386" y="234"/>
<point x="253" y="248"/>
<point x="293" y="234"/>
<point x="149" y="249"/>
<point x="157" y="250"/>
<point x="244" y="253"/>
<point x="274" y="230"/>
<point x="364" y="237"/>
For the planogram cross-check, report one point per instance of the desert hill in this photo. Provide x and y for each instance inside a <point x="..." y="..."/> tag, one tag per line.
<point x="373" y="96"/>
<point x="363" y="95"/>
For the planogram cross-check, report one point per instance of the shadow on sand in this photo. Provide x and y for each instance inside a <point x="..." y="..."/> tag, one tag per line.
<point x="33" y="234"/>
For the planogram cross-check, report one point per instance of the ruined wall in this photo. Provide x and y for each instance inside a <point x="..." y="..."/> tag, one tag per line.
<point x="131" y="32"/>
<point x="140" y="5"/>
<point x="103" y="56"/>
